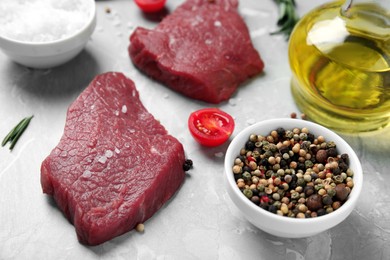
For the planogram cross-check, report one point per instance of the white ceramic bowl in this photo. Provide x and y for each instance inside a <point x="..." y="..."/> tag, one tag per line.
<point x="284" y="226"/>
<point x="50" y="54"/>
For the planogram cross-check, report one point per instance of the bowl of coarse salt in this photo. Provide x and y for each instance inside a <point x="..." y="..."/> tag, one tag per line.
<point x="45" y="33"/>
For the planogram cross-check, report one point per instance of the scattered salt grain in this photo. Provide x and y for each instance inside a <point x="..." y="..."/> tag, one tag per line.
<point x="232" y="102"/>
<point x="124" y="109"/>
<point x="219" y="154"/>
<point x="102" y="159"/>
<point x="43" y="20"/>
<point x="109" y="153"/>
<point x="87" y="174"/>
<point x="208" y="41"/>
<point x="117" y="150"/>
<point x="217" y="24"/>
<point x="116" y="112"/>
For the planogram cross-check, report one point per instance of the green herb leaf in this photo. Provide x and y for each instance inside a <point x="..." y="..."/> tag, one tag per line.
<point x="16" y="132"/>
<point x="287" y="17"/>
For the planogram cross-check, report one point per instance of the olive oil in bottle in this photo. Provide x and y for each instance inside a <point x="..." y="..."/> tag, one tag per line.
<point x="340" y="61"/>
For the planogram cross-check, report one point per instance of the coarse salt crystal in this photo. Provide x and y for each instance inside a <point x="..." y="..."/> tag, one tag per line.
<point x="102" y="159"/>
<point x="124" y="109"/>
<point x="208" y="41"/>
<point x="109" y="153"/>
<point x="43" y="20"/>
<point x="217" y="24"/>
<point x="87" y="174"/>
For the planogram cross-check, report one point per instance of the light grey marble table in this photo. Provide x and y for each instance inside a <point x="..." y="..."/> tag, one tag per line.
<point x="200" y="222"/>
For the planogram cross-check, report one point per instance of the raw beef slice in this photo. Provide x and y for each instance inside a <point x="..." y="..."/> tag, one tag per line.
<point x="115" y="165"/>
<point x="202" y="50"/>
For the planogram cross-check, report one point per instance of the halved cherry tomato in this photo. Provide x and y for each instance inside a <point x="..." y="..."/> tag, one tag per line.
<point x="150" y="6"/>
<point x="210" y="126"/>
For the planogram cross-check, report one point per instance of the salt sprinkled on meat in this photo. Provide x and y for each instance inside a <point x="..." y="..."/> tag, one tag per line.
<point x="217" y="24"/>
<point x="109" y="153"/>
<point x="124" y="109"/>
<point x="102" y="159"/>
<point x="87" y="174"/>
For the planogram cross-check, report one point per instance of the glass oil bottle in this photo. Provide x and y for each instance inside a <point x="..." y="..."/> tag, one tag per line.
<point x="339" y="54"/>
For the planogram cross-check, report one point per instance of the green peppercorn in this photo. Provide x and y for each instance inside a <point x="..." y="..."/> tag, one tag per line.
<point x="295" y="195"/>
<point x="260" y="187"/>
<point x="331" y="192"/>
<point x="301" y="182"/>
<point x="246" y="176"/>
<point x="248" y="193"/>
<point x="308" y="164"/>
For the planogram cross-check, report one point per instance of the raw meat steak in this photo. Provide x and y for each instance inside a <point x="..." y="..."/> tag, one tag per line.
<point x="202" y="50"/>
<point x="115" y="165"/>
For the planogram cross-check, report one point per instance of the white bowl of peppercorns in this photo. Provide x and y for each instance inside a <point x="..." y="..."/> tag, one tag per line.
<point x="292" y="178"/>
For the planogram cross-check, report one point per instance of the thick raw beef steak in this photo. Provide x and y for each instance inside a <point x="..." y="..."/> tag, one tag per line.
<point x="115" y="165"/>
<point x="202" y="50"/>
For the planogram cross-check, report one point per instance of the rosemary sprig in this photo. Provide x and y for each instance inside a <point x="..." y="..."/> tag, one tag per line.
<point x="16" y="132"/>
<point x="287" y="17"/>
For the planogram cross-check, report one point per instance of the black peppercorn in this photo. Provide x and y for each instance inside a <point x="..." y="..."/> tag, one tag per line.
<point x="250" y="145"/>
<point x="246" y="168"/>
<point x="327" y="200"/>
<point x="256" y="200"/>
<point x="336" y="171"/>
<point x="283" y="164"/>
<point x="310" y="137"/>
<point x="343" y="166"/>
<point x="272" y="209"/>
<point x="301" y="166"/>
<point x="187" y="165"/>
<point x="281" y="132"/>
<point x="332" y="152"/>
<point x="321" y="212"/>
<point x="308" y="190"/>
<point x="345" y="158"/>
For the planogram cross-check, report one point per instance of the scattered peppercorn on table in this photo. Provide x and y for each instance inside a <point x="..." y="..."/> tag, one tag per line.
<point x="200" y="221"/>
